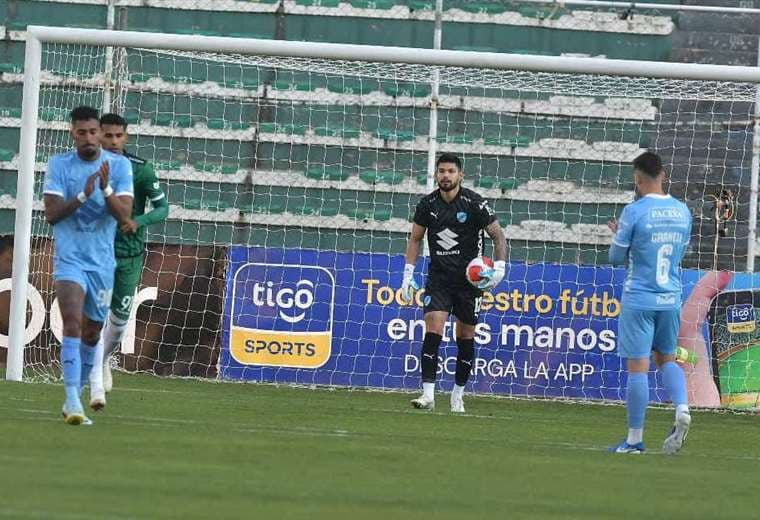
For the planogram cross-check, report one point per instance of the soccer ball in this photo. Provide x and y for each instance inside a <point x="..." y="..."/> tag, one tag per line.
<point x="475" y="267"/>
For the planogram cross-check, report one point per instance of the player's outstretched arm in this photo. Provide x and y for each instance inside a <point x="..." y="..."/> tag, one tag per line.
<point x="409" y="285"/>
<point x="57" y="208"/>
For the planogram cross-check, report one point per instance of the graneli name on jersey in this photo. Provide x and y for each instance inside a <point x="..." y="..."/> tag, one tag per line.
<point x="447" y="253"/>
<point x="665" y="213"/>
<point x="667" y="237"/>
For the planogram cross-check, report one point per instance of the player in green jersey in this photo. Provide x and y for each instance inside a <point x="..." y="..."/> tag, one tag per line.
<point x="130" y="251"/>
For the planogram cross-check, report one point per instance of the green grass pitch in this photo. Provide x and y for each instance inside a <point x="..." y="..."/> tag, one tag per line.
<point x="188" y="449"/>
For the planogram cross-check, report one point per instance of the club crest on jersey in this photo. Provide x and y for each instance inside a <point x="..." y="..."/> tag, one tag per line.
<point x="462" y="217"/>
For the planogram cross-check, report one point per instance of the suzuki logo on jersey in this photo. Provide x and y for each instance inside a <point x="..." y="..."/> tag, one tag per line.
<point x="741" y="318"/>
<point x="284" y="299"/>
<point x="447" y="239"/>
<point x="280" y="315"/>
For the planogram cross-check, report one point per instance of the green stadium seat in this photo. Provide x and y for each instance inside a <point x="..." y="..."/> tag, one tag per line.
<point x="172" y="120"/>
<point x="245" y="84"/>
<point x="457" y="139"/>
<point x="303" y="86"/>
<point x="382" y="214"/>
<point x="190" y="203"/>
<point x="350" y="87"/>
<point x="329" y="208"/>
<point x="372" y="4"/>
<point x="326" y="173"/>
<point x="16" y="26"/>
<point x="221" y="124"/>
<point x="422" y="5"/>
<point x="54" y="114"/>
<point x="486" y="182"/>
<point x="11" y="68"/>
<point x="132" y="117"/>
<point x="307" y="208"/>
<point x="265" y="204"/>
<point x="507" y="184"/>
<point x="141" y="77"/>
<point x="482" y="8"/>
<point x="382" y="177"/>
<point x="394" y="135"/>
<point x="358" y="213"/>
<point x="542" y="12"/>
<point x="226" y="169"/>
<point x="217" y="205"/>
<point x="167" y="165"/>
<point x="14" y="112"/>
<point x="318" y="3"/>
<point x="6" y="154"/>
<point x="407" y="90"/>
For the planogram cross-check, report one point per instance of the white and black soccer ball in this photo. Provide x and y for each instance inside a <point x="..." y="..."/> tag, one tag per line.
<point x="475" y="267"/>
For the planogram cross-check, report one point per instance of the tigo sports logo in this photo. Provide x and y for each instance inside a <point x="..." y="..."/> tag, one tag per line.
<point x="285" y="299"/>
<point x="281" y="315"/>
<point x="740" y="318"/>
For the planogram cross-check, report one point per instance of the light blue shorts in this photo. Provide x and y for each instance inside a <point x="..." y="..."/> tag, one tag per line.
<point x="640" y="332"/>
<point x="97" y="287"/>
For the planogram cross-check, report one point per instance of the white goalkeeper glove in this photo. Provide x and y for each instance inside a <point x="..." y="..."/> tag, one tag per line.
<point x="493" y="276"/>
<point x="409" y="285"/>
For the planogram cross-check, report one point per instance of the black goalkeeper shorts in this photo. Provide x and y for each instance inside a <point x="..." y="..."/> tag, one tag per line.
<point x="463" y="301"/>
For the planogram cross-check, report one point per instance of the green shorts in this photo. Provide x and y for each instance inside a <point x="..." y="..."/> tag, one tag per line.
<point x="125" y="282"/>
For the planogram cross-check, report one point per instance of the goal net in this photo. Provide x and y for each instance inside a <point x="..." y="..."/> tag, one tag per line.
<point x="292" y="182"/>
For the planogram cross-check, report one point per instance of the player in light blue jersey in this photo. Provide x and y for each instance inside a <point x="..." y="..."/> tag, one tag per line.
<point x="87" y="190"/>
<point x="651" y="237"/>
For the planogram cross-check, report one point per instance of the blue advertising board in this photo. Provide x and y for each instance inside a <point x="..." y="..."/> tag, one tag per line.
<point x="329" y="318"/>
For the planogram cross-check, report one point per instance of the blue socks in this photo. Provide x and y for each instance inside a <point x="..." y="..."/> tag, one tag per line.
<point x="674" y="381"/>
<point x="72" y="368"/>
<point x="637" y="398"/>
<point x="87" y="354"/>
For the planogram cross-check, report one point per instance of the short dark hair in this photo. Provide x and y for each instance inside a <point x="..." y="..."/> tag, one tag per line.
<point x="83" y="113"/>
<point x="6" y="243"/>
<point x="449" y="158"/>
<point x="113" y="119"/>
<point x="648" y="163"/>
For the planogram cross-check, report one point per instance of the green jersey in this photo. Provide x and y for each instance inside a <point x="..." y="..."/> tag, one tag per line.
<point x="146" y="188"/>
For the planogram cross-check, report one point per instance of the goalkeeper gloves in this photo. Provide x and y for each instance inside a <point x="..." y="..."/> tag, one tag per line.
<point x="491" y="277"/>
<point x="409" y="285"/>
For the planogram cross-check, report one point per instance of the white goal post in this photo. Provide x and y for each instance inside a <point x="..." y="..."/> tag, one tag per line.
<point x="38" y="36"/>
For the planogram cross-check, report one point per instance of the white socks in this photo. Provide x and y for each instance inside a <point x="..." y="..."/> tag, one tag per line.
<point x="635" y="435"/>
<point x="113" y="332"/>
<point x="681" y="408"/>
<point x="96" y="374"/>
<point x="428" y="390"/>
<point x="457" y="392"/>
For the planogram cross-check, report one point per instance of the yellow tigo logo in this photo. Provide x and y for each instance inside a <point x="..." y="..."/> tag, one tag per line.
<point x="740" y="318"/>
<point x="282" y="315"/>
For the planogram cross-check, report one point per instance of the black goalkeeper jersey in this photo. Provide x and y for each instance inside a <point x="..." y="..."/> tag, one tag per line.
<point x="454" y="231"/>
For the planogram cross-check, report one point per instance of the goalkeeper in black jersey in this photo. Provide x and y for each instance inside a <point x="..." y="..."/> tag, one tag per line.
<point x="455" y="219"/>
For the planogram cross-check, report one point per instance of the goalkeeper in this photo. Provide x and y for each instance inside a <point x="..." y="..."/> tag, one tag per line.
<point x="130" y="253"/>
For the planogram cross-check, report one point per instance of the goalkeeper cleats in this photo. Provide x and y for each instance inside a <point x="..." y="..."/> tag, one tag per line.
<point x="624" y="447"/>
<point x="423" y="403"/>
<point x="674" y="442"/>
<point x="457" y="405"/>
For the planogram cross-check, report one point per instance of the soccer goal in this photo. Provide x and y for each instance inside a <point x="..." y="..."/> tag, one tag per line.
<point x="292" y="170"/>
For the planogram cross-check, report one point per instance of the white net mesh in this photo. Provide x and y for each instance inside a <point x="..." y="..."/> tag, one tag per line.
<point x="292" y="183"/>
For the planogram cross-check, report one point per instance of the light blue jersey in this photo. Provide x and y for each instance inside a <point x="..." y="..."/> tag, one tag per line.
<point x="86" y="238"/>
<point x="652" y="235"/>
